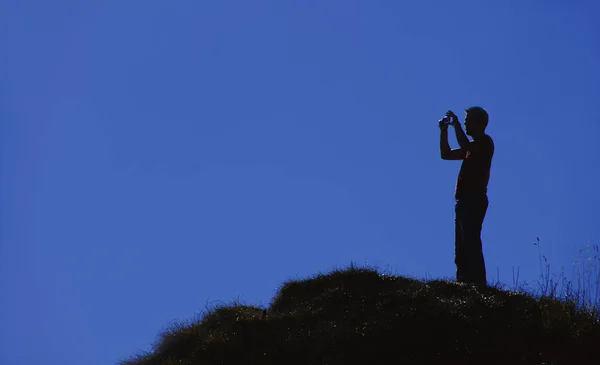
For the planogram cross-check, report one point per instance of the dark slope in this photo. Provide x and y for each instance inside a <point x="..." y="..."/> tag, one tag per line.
<point x="360" y="316"/>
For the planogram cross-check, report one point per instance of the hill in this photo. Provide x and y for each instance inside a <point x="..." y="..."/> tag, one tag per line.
<point x="361" y="316"/>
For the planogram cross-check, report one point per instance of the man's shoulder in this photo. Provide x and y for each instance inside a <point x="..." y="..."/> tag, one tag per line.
<point x="486" y="141"/>
<point x="489" y="144"/>
<point x="488" y="138"/>
<point x="490" y="141"/>
<point x="484" y="144"/>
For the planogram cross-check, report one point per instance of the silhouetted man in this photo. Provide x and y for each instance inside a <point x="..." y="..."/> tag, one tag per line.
<point x="471" y="190"/>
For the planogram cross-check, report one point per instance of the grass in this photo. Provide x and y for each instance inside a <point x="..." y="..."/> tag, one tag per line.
<point x="583" y="289"/>
<point x="359" y="315"/>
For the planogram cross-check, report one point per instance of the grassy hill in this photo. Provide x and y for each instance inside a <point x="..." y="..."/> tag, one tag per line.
<point x="361" y="316"/>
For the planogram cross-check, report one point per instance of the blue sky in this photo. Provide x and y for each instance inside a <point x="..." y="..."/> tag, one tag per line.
<point x="157" y="156"/>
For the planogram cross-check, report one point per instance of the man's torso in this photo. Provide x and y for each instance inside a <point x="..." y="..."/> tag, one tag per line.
<point x="474" y="173"/>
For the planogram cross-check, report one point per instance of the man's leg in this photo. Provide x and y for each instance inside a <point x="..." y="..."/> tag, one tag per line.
<point x="472" y="224"/>
<point x="470" y="264"/>
<point x="459" y="249"/>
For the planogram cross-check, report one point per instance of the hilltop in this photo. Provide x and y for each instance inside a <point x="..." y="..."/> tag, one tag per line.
<point x="361" y="316"/>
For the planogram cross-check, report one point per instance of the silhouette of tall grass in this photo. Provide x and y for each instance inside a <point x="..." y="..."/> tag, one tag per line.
<point x="582" y="288"/>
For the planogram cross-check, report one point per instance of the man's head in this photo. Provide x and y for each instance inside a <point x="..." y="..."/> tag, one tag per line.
<point x="475" y="121"/>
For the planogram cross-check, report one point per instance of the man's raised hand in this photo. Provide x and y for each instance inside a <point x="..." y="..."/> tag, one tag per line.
<point x="443" y="125"/>
<point x="453" y="118"/>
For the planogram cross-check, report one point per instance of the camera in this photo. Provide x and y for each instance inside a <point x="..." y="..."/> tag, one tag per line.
<point x="446" y="120"/>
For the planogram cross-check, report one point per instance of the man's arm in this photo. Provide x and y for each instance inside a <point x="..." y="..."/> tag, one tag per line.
<point x="445" y="152"/>
<point x="461" y="137"/>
